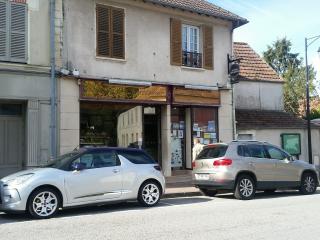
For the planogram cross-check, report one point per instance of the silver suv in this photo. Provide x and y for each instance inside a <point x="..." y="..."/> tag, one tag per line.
<point x="247" y="166"/>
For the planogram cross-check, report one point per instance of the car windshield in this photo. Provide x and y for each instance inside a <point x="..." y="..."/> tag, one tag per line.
<point x="61" y="161"/>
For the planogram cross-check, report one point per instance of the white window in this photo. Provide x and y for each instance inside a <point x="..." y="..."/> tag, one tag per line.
<point x="190" y="38"/>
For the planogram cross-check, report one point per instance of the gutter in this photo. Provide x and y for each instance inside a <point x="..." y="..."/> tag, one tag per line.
<point x="53" y="88"/>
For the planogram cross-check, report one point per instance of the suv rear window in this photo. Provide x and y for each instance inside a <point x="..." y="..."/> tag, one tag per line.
<point x="213" y="152"/>
<point x="136" y="157"/>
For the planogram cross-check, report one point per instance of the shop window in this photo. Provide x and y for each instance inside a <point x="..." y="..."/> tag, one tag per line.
<point x="204" y="125"/>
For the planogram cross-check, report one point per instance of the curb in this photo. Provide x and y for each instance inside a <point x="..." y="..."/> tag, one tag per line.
<point x="181" y="194"/>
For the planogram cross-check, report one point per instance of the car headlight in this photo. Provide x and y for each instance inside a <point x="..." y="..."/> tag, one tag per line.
<point x="20" y="179"/>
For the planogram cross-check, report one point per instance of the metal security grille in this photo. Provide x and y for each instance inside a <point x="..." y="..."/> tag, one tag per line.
<point x="13" y="31"/>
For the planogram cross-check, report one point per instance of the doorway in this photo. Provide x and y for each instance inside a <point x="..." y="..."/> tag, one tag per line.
<point x="11" y="138"/>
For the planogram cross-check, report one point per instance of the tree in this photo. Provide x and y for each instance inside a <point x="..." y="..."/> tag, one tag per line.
<point x="289" y="66"/>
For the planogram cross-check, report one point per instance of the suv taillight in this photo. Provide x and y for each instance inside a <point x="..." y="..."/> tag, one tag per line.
<point x="157" y="167"/>
<point x="193" y="164"/>
<point x="222" y="162"/>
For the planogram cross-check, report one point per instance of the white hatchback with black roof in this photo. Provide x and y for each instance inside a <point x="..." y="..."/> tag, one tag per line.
<point x="84" y="177"/>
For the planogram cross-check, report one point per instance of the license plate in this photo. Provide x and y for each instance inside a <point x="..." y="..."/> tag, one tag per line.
<point x="202" y="176"/>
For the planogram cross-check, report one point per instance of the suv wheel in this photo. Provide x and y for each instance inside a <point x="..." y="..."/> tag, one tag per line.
<point x="43" y="203"/>
<point x="149" y="194"/>
<point x="245" y="188"/>
<point x="208" y="193"/>
<point x="308" y="184"/>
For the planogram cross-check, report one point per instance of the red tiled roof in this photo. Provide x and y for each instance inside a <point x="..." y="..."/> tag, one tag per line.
<point x="262" y="119"/>
<point x="202" y="7"/>
<point x="252" y="66"/>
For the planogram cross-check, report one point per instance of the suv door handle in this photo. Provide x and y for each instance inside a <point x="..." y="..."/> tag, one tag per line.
<point x="250" y="163"/>
<point x="115" y="170"/>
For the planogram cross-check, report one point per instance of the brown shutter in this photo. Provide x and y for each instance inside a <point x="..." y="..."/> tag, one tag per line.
<point x="117" y="33"/>
<point x="208" y="47"/>
<point x="110" y="31"/>
<point x="176" y="42"/>
<point x="103" y="31"/>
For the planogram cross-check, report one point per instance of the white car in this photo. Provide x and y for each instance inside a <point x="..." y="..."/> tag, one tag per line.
<point x="84" y="177"/>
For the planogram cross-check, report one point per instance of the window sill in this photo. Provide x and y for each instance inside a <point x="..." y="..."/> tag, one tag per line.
<point x="193" y="68"/>
<point x="111" y="59"/>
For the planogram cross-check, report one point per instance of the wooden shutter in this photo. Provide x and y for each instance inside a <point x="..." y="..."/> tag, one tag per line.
<point x="18" y="32"/>
<point x="117" y="33"/>
<point x="176" y="42"/>
<point x="110" y="32"/>
<point x="208" y="47"/>
<point x="3" y="30"/>
<point x="103" y="30"/>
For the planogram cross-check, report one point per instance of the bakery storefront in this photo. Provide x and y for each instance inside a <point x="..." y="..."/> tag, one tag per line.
<point x="163" y="120"/>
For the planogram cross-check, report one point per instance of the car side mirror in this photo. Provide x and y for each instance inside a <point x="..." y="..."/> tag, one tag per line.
<point x="78" y="166"/>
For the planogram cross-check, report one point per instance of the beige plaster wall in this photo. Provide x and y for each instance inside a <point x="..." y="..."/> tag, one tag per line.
<point x="147" y="37"/>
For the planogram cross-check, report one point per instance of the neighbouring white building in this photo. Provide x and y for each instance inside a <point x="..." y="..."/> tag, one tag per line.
<point x="260" y="111"/>
<point x="24" y="84"/>
<point x="152" y="70"/>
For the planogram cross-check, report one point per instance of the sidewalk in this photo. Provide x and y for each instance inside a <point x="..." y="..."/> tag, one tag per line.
<point x="180" y="186"/>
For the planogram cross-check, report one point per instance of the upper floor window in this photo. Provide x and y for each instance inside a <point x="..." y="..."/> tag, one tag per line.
<point x="110" y="32"/>
<point x="188" y="48"/>
<point x="13" y="31"/>
<point x="191" y="55"/>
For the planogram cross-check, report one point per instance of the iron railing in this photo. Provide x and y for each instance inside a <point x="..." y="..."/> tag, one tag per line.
<point x="192" y="59"/>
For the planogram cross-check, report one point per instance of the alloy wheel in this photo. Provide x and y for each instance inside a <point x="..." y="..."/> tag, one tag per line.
<point x="150" y="193"/>
<point x="45" y="203"/>
<point x="309" y="184"/>
<point x="246" y="187"/>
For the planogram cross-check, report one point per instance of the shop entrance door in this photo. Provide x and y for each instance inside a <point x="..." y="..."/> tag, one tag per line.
<point x="178" y="137"/>
<point x="151" y="119"/>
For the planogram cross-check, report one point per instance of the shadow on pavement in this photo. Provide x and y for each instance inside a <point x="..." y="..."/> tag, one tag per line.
<point x="263" y="195"/>
<point x="109" y="208"/>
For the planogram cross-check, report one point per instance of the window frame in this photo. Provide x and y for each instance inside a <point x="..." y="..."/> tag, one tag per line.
<point x="246" y="145"/>
<point x="100" y="151"/>
<point x="190" y="27"/>
<point x="287" y="156"/>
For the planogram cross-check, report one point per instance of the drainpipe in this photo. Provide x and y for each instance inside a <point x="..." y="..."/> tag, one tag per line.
<point x="53" y="90"/>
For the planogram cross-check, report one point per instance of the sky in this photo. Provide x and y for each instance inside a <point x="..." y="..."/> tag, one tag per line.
<point x="270" y="20"/>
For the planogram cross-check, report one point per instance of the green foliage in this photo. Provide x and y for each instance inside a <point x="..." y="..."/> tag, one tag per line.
<point x="289" y="66"/>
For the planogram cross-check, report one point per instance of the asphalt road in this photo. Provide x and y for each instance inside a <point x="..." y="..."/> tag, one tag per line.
<point x="283" y="215"/>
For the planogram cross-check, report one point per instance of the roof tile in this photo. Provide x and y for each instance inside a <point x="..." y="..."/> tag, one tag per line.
<point x="257" y="119"/>
<point x="252" y="66"/>
<point x="202" y="7"/>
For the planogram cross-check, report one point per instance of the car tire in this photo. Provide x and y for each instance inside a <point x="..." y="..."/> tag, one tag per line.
<point x="245" y="188"/>
<point x="43" y="203"/>
<point x="208" y="193"/>
<point x="149" y="194"/>
<point x="308" y="184"/>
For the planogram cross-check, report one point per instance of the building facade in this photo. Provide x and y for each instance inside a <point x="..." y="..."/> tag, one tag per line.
<point x="150" y="73"/>
<point x="260" y="111"/>
<point x="24" y="84"/>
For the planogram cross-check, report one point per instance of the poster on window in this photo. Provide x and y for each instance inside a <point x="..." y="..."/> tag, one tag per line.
<point x="176" y="152"/>
<point x="211" y="126"/>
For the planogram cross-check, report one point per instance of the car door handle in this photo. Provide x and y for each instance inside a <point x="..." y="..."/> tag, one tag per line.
<point x="115" y="170"/>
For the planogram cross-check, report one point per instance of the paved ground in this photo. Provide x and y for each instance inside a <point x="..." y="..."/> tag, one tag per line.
<point x="284" y="215"/>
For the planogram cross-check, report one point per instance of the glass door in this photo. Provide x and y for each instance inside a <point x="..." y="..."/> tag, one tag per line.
<point x="177" y="137"/>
